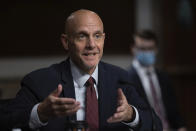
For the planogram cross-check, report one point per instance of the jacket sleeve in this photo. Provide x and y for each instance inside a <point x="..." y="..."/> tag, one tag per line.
<point x="149" y="121"/>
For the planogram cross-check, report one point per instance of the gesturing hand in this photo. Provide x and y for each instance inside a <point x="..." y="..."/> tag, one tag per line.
<point x="54" y="106"/>
<point x="123" y="112"/>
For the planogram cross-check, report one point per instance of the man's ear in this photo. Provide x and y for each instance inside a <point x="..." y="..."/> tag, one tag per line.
<point x="64" y="40"/>
<point x="103" y="36"/>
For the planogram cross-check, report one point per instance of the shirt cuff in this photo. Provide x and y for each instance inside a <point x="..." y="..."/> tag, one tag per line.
<point x="34" y="121"/>
<point x="135" y="122"/>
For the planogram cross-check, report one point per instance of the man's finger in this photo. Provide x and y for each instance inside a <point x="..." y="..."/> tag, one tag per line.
<point x="73" y="110"/>
<point x="58" y="91"/>
<point x="63" y="111"/>
<point x="62" y="101"/>
<point x="120" y="109"/>
<point x="121" y="95"/>
<point x="115" y="118"/>
<point x="68" y="106"/>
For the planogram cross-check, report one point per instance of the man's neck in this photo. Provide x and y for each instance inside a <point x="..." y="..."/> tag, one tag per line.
<point x="83" y="70"/>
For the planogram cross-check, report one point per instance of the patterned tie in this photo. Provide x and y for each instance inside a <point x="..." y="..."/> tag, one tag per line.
<point x="157" y="104"/>
<point x="92" y="115"/>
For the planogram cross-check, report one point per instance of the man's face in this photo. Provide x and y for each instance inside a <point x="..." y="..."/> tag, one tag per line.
<point x="145" y="51"/>
<point x="86" y="41"/>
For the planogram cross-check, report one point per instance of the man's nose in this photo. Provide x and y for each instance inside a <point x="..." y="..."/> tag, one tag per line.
<point x="91" y="42"/>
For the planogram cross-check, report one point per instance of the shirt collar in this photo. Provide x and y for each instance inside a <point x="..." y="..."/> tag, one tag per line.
<point x="80" y="77"/>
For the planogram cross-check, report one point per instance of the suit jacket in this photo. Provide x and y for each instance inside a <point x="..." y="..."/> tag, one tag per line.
<point x="36" y="86"/>
<point x="168" y="96"/>
<point x="3" y="116"/>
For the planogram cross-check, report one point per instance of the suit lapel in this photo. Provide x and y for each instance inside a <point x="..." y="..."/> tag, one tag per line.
<point x="162" y="84"/>
<point x="139" y="83"/>
<point x="140" y="87"/>
<point x="107" y="96"/>
<point x="160" y="78"/>
<point x="67" y="82"/>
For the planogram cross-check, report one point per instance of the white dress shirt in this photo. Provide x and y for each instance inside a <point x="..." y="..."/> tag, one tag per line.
<point x="79" y="79"/>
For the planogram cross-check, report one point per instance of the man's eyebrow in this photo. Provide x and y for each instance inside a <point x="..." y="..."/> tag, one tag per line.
<point x="81" y="32"/>
<point x="86" y="33"/>
<point x="98" y="32"/>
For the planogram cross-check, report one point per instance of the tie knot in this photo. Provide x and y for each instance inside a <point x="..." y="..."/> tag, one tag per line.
<point x="90" y="81"/>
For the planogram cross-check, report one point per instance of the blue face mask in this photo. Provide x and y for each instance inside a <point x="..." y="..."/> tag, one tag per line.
<point x="146" y="58"/>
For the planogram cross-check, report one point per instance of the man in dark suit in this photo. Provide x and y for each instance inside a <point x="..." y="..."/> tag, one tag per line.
<point x="53" y="96"/>
<point x="152" y="83"/>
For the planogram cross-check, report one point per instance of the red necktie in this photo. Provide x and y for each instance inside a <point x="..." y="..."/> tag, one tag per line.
<point x="92" y="115"/>
<point x="157" y="105"/>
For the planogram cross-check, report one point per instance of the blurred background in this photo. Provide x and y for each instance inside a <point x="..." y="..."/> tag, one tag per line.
<point x="30" y="39"/>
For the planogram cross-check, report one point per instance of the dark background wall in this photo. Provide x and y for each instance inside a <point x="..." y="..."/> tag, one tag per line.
<point x="178" y="54"/>
<point x="30" y="28"/>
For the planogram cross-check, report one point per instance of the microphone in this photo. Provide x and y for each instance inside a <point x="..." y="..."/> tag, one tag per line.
<point x="156" y="122"/>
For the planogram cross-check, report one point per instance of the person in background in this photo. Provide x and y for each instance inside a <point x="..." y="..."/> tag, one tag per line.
<point x="80" y="87"/>
<point x="154" y="84"/>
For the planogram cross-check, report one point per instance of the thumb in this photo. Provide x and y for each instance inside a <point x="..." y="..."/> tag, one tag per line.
<point x="57" y="91"/>
<point x="121" y="95"/>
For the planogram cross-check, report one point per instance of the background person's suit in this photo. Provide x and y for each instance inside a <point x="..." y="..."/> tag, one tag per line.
<point x="168" y="96"/>
<point x="39" y="84"/>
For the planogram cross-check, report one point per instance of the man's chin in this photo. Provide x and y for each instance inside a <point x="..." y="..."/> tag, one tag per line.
<point x="90" y="66"/>
<point x="90" y="63"/>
